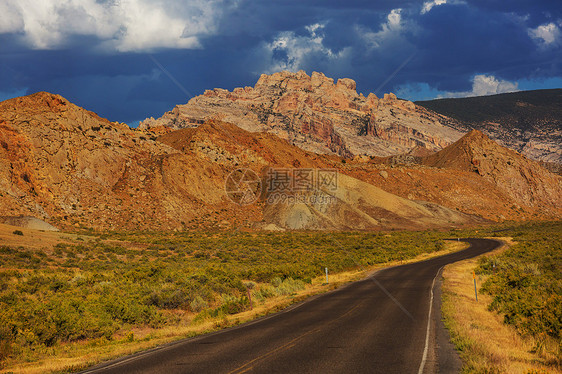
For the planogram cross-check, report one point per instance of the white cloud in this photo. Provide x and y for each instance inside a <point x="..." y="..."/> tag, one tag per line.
<point x="485" y="85"/>
<point x="10" y="18"/>
<point x="299" y="48"/>
<point x="490" y="85"/>
<point x="293" y="52"/>
<point x="546" y="35"/>
<point x="391" y="28"/>
<point x="122" y="25"/>
<point x="430" y="4"/>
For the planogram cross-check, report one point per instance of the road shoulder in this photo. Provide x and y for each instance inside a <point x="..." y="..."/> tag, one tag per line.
<point x="483" y="342"/>
<point x="446" y="357"/>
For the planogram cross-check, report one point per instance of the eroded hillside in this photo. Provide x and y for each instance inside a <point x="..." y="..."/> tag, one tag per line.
<point x="66" y="165"/>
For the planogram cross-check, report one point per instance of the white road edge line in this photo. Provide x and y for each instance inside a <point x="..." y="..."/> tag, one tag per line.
<point x="424" y="357"/>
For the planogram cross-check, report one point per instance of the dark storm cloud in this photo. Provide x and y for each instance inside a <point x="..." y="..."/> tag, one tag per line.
<point x="102" y="83"/>
<point x="373" y="42"/>
<point x="536" y="10"/>
<point x="456" y="41"/>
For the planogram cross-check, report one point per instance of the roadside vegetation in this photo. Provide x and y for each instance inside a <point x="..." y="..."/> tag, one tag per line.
<point x="516" y="327"/>
<point x="94" y="296"/>
<point x="98" y="292"/>
<point x="526" y="281"/>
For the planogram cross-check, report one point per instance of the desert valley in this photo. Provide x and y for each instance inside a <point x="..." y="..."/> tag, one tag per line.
<point x="233" y="205"/>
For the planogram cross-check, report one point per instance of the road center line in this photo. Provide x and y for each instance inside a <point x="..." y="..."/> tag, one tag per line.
<point x="292" y="343"/>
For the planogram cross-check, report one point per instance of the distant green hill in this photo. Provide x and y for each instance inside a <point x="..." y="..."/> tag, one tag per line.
<point x="526" y="110"/>
<point x="529" y="121"/>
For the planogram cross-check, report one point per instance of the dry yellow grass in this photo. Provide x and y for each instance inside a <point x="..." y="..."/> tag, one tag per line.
<point x="32" y="238"/>
<point x="79" y="355"/>
<point x="487" y="344"/>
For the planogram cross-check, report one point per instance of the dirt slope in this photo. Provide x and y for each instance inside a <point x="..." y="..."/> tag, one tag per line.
<point x="525" y="181"/>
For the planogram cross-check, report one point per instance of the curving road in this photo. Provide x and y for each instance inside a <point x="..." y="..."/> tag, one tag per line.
<point x="381" y="324"/>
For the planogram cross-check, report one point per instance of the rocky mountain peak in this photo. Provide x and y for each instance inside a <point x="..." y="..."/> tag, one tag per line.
<point x="317" y="114"/>
<point x="516" y="175"/>
<point x="476" y="136"/>
<point x="38" y="102"/>
<point x="41" y="108"/>
<point x="288" y="82"/>
<point x="466" y="153"/>
<point x="347" y="83"/>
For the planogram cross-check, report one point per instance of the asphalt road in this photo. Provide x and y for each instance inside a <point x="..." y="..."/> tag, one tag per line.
<point x="377" y="325"/>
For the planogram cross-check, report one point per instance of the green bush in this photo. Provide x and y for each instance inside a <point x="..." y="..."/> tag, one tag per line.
<point x="289" y="286"/>
<point x="231" y="305"/>
<point x="264" y="292"/>
<point x="198" y="304"/>
<point x="526" y="281"/>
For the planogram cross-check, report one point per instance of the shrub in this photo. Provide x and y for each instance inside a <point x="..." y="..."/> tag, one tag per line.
<point x="198" y="304"/>
<point x="6" y="341"/>
<point x="526" y="281"/>
<point x="289" y="286"/>
<point x="231" y="305"/>
<point x="264" y="292"/>
<point x="276" y="282"/>
<point x="17" y="232"/>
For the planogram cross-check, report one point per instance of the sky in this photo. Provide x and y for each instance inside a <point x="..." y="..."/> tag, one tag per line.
<point x="131" y="59"/>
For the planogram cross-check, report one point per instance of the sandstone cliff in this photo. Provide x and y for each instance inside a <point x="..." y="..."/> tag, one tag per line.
<point x="74" y="169"/>
<point x="319" y="115"/>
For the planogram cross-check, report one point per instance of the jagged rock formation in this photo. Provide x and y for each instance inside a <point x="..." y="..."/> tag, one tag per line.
<point x="318" y="115"/>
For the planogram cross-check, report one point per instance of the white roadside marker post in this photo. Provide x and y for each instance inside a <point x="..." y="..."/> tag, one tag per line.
<point x="327" y="275"/>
